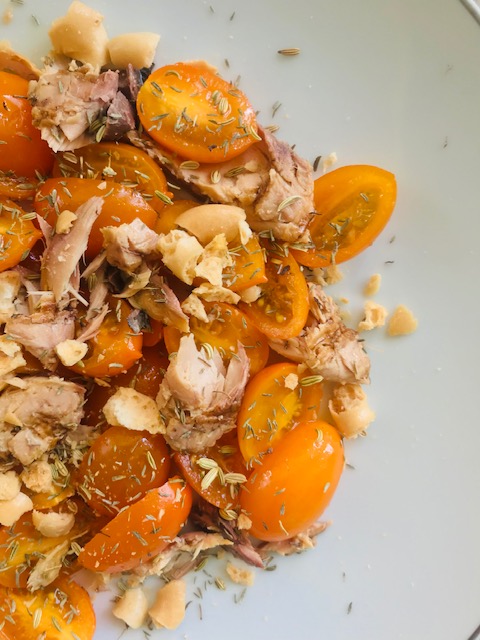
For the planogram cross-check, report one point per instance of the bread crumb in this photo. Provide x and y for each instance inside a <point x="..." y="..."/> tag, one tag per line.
<point x="7" y="15"/>
<point x="65" y="221"/>
<point x="12" y="510"/>
<point x="327" y="275"/>
<point x="329" y="161"/>
<point x="52" y="524"/>
<point x="132" y="608"/>
<point x="243" y="522"/>
<point x="9" y="485"/>
<point x="373" y="285"/>
<point x="168" y="610"/>
<point x="38" y="477"/>
<point x="291" y="381"/>
<point x="375" y="316"/>
<point x="71" y="351"/>
<point x="133" y="410"/>
<point x="402" y="322"/>
<point x="349" y="409"/>
<point x="250" y="294"/>
<point x="245" y="577"/>
<point x="137" y="49"/>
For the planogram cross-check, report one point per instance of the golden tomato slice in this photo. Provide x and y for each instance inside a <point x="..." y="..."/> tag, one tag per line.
<point x="353" y="203"/>
<point x="295" y="483"/>
<point x="274" y="401"/>
<point x="17" y="234"/>
<point x="117" y="162"/>
<point x="193" y="112"/>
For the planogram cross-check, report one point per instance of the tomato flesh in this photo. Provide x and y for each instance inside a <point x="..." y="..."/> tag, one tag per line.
<point x="117" y="162"/>
<point x="353" y="203"/>
<point x="294" y="485"/>
<point x="221" y="492"/>
<point x="121" y="205"/>
<point x="193" y="112"/>
<point x="59" y="611"/>
<point x="270" y="408"/>
<point x="17" y="234"/>
<point x="120" y="467"/>
<point x="23" y="152"/>
<point x="282" y="309"/>
<point x="248" y="267"/>
<point x="140" y="531"/>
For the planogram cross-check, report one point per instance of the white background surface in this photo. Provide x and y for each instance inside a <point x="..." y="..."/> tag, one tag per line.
<point x="396" y="84"/>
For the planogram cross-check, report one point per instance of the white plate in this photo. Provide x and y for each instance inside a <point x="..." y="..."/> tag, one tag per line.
<point x="395" y="84"/>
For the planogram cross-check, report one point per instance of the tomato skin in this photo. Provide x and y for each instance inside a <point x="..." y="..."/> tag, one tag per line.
<point x="114" y="349"/>
<point x="117" y="162"/>
<point x="269" y="409"/>
<point x="295" y="484"/>
<point x="23" y="151"/>
<point x="227" y="455"/>
<point x="354" y="203"/>
<point x="56" y="601"/>
<point x="202" y="118"/>
<point x="17" y="234"/>
<point x="227" y="327"/>
<point x="248" y="267"/>
<point x="167" y="219"/>
<point x="121" y="205"/>
<point x="140" y="531"/>
<point x="120" y="467"/>
<point x="281" y="311"/>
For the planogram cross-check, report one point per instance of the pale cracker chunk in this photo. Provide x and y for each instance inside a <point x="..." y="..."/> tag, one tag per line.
<point x="12" y="510"/>
<point x="137" y="49"/>
<point x="9" y="485"/>
<point x="132" y="608"/>
<point x="168" y="610"/>
<point x="52" y="524"/>
<point x="373" y="285"/>
<point x="239" y="575"/>
<point x="350" y="411"/>
<point x="133" y="410"/>
<point x="375" y="316"/>
<point x="402" y="322"/>
<point x="71" y="351"/>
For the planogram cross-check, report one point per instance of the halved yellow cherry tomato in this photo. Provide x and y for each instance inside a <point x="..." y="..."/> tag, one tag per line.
<point x="167" y="219"/>
<point x="274" y="401"/>
<point x="62" y="610"/>
<point x="17" y="234"/>
<point x="117" y="162"/>
<point x="353" y="204"/>
<point x="293" y="486"/>
<point x="193" y="112"/>
<point x="282" y="309"/>
<point x="226" y="327"/>
<point x="23" y="153"/>
<point x="248" y="267"/>
<point x="120" y="467"/>
<point x="121" y="204"/>
<point x="222" y="492"/>
<point x="114" y="349"/>
<point x="140" y="531"/>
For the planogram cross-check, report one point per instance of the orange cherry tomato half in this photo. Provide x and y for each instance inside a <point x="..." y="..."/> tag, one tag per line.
<point x="17" y="234"/>
<point x="24" y="546"/>
<point x="117" y="162"/>
<point x="144" y="376"/>
<point x="248" y="267"/>
<point x="222" y="490"/>
<point x="23" y="152"/>
<point x="140" y="531"/>
<point x="120" y="467"/>
<point x="294" y="485"/>
<point x="121" y="205"/>
<point x="44" y="501"/>
<point x="227" y="326"/>
<point x="167" y="219"/>
<point x="114" y="349"/>
<point x="62" y="610"/>
<point x="353" y="204"/>
<point x="193" y="112"/>
<point x="282" y="309"/>
<point x="275" y="399"/>
<point x="153" y="337"/>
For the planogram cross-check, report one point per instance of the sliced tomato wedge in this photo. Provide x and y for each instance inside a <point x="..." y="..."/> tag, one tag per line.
<point x="282" y="309"/>
<point x="353" y="204"/>
<point x="227" y="326"/>
<point x="23" y="152"/>
<point x="121" y="205"/>
<point x="221" y="487"/>
<point x="17" y="234"/>
<point x="140" y="531"/>
<point x="193" y="112"/>
<point x="295" y="484"/>
<point x="61" y="611"/>
<point x="274" y="401"/>
<point x="120" y="467"/>
<point x="117" y="162"/>
<point x="115" y="348"/>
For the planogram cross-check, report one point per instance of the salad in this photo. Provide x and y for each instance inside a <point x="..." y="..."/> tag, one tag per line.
<point x="176" y="380"/>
